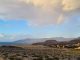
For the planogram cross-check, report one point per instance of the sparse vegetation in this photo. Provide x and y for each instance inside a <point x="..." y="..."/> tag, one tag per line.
<point x="38" y="53"/>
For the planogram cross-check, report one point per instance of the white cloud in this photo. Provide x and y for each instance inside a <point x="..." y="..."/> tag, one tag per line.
<point x="2" y="35"/>
<point x="13" y="37"/>
<point x="69" y="5"/>
<point x="43" y="3"/>
<point x="37" y="12"/>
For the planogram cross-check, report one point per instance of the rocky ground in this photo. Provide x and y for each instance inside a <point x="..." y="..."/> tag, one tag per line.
<point x="37" y="53"/>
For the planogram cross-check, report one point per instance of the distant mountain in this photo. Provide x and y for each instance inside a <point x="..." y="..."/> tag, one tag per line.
<point x="27" y="41"/>
<point x="53" y="42"/>
<point x="43" y="41"/>
<point x="76" y="40"/>
<point x="48" y="42"/>
<point x="62" y="39"/>
<point x="35" y="40"/>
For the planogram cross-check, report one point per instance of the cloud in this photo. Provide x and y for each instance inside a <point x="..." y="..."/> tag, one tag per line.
<point x="37" y="12"/>
<point x="2" y="35"/>
<point x="13" y="37"/>
<point x="43" y="3"/>
<point x="69" y="5"/>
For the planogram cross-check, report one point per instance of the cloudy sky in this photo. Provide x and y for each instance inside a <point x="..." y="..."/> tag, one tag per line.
<point x="39" y="18"/>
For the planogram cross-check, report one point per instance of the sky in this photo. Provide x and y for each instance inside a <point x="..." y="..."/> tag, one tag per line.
<point x="20" y="19"/>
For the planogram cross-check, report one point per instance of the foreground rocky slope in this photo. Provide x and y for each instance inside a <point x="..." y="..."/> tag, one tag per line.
<point x="32" y="52"/>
